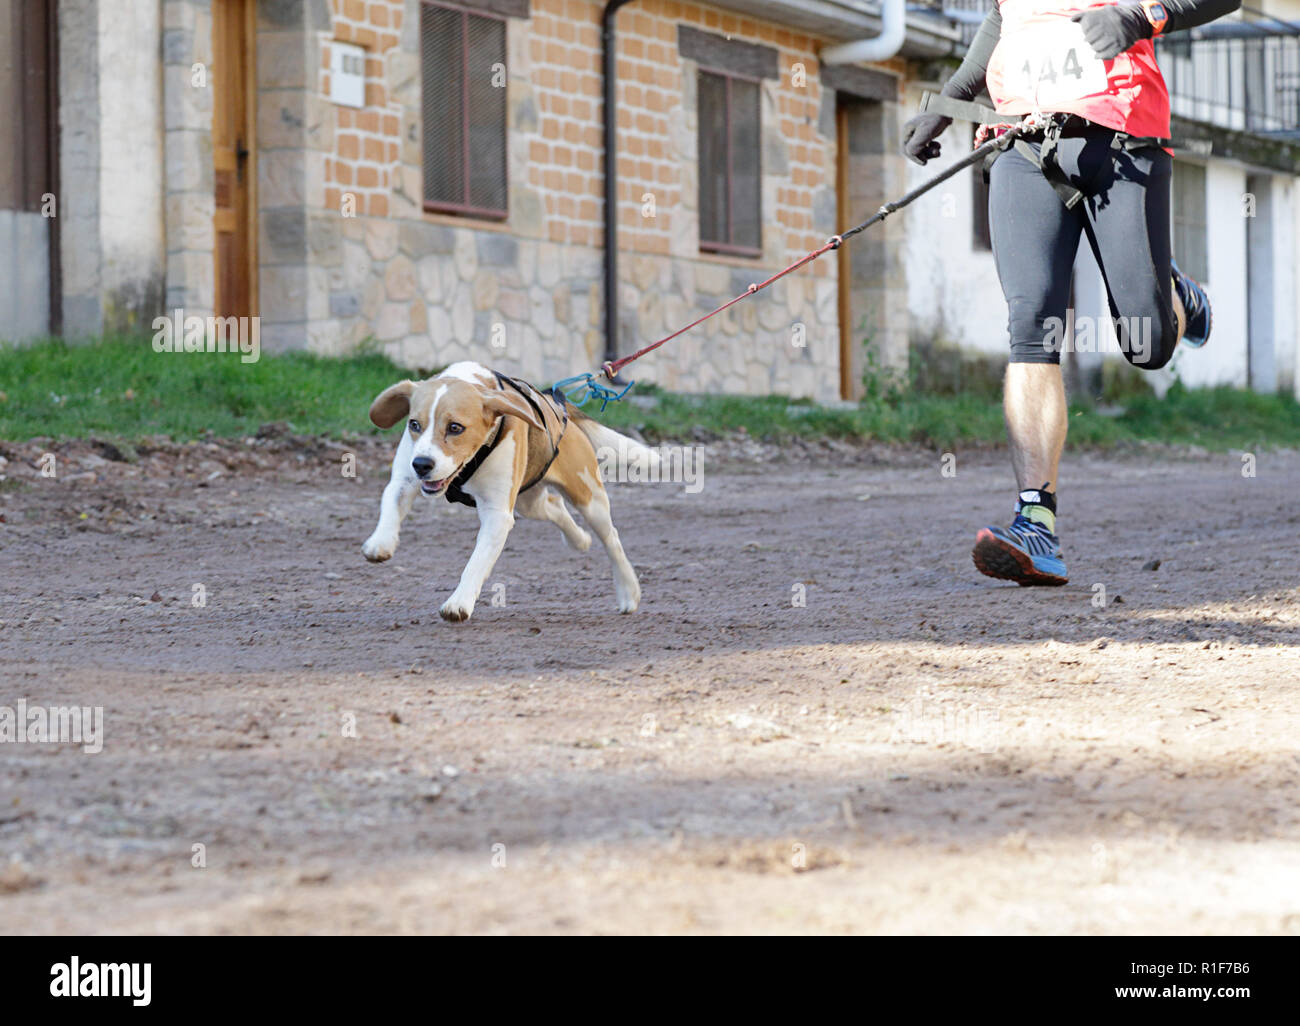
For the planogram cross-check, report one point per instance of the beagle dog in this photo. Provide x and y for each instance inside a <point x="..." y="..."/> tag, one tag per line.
<point x="498" y="444"/>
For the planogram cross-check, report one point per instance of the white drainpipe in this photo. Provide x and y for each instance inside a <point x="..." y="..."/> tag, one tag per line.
<point x="893" y="29"/>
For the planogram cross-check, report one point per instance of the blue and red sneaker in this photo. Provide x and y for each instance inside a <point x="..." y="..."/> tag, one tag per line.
<point x="1196" y="305"/>
<point x="1027" y="552"/>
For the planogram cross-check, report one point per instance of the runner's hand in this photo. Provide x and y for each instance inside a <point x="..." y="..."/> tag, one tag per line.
<point x="920" y="135"/>
<point x="1112" y="29"/>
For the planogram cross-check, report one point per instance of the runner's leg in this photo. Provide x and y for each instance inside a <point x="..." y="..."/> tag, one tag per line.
<point x="1127" y="223"/>
<point x="1033" y="402"/>
<point x="1035" y="239"/>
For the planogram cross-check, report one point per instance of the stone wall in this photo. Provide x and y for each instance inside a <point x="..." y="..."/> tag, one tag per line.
<point x="132" y="252"/>
<point x="298" y="236"/>
<point x="187" y="145"/>
<point x="526" y="295"/>
<point x="111" y="167"/>
<point x="79" y="144"/>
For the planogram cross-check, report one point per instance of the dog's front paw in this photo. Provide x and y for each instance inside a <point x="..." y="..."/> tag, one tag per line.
<point x="456" y="611"/>
<point x="629" y="597"/>
<point x="377" y="549"/>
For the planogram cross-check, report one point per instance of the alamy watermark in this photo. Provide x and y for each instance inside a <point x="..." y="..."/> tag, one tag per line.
<point x="635" y="463"/>
<point x="177" y="333"/>
<point x="1132" y="335"/>
<point x="59" y="724"/>
<point x="928" y="720"/>
<point x="74" y="978"/>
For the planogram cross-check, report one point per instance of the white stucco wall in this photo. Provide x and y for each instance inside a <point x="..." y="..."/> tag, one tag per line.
<point x="1287" y="313"/>
<point x="1223" y="361"/>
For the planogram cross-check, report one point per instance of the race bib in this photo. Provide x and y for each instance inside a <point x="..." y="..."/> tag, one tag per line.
<point x="1050" y="62"/>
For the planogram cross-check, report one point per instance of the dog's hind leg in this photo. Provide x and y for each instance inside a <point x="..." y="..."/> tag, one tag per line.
<point x="594" y="507"/>
<point x="399" y="494"/>
<point x="540" y="503"/>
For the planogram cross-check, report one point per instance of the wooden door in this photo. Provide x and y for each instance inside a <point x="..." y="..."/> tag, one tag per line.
<point x="233" y="158"/>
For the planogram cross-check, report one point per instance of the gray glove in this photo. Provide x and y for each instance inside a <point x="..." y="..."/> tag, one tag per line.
<point x="920" y="137"/>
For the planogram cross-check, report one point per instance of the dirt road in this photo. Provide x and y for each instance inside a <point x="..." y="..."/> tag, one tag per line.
<point x="294" y="742"/>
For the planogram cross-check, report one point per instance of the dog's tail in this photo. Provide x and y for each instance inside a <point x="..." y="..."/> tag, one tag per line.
<point x="614" y="452"/>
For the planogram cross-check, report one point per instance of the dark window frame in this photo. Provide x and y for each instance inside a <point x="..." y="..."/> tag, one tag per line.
<point x="731" y="56"/>
<point x="729" y="248"/>
<point x="466" y="209"/>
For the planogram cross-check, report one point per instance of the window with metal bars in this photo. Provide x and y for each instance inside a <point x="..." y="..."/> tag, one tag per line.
<point x="731" y="215"/>
<point x="463" y="59"/>
<point x="1191" y="239"/>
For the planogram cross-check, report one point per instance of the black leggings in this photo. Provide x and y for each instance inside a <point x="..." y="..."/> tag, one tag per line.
<point x="1124" y="213"/>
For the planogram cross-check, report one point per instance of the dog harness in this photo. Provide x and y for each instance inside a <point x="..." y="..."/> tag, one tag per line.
<point x="1053" y="128"/>
<point x="553" y="400"/>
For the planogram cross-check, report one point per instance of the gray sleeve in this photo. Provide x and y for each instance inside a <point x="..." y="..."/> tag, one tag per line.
<point x="1186" y="14"/>
<point x="967" y="82"/>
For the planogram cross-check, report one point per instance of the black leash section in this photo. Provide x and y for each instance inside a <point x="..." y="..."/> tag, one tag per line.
<point x="998" y="142"/>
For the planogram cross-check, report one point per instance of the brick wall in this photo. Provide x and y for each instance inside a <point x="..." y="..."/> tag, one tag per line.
<point x="367" y="142"/>
<point x="565" y="154"/>
<point x="655" y="155"/>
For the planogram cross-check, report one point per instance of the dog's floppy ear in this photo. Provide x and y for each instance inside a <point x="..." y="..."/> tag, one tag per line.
<point x="392" y="404"/>
<point x="501" y="403"/>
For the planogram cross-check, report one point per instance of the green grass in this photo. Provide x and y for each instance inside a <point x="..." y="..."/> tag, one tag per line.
<point x="1216" y="418"/>
<point x="121" y="389"/>
<point x="927" y="419"/>
<point x="1219" y="418"/>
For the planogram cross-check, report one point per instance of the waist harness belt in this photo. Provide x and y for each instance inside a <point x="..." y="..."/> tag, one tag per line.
<point x="1044" y="158"/>
<point x="455" y="493"/>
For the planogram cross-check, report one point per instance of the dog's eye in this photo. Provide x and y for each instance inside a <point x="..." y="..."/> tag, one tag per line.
<point x="454" y="429"/>
<point x="415" y="427"/>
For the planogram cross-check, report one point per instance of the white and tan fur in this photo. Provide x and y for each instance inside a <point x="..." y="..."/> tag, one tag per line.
<point x="448" y="418"/>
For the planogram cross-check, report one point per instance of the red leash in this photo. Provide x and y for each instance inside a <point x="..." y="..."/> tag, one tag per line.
<point x="612" y="367"/>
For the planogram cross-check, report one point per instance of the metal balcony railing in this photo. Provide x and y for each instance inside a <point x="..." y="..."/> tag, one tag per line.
<point x="1243" y="77"/>
<point x="965" y="14"/>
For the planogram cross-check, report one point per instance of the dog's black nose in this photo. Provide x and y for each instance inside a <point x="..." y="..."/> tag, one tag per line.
<point x="422" y="465"/>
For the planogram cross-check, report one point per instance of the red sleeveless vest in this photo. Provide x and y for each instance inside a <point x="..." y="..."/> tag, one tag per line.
<point x="1042" y="62"/>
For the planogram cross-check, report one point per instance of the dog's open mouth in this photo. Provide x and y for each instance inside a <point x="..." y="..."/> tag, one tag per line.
<point x="434" y="487"/>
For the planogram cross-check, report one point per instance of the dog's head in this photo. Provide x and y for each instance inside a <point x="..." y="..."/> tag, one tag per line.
<point x="449" y="418"/>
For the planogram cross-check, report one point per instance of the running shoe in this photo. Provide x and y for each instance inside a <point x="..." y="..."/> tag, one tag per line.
<point x="1027" y="552"/>
<point x="1196" y="304"/>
